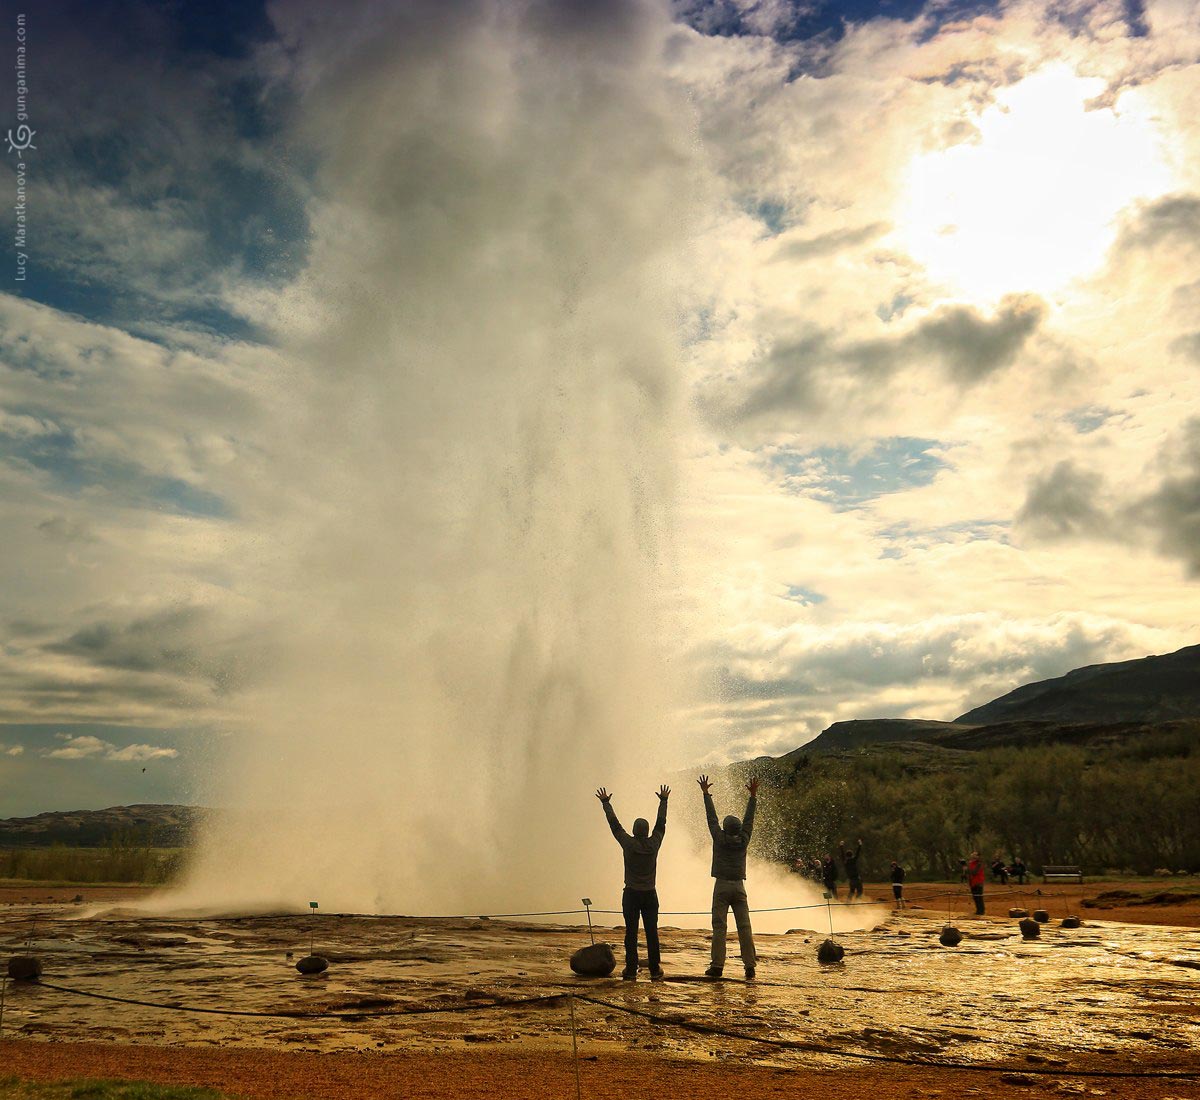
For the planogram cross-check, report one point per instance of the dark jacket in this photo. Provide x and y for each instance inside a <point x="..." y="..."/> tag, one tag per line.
<point x="897" y="873"/>
<point x="851" y="860"/>
<point x="730" y="840"/>
<point x="641" y="849"/>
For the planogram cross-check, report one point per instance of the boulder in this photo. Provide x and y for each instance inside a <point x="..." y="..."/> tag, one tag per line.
<point x="24" y="968"/>
<point x="313" y="964"/>
<point x="1030" y="929"/>
<point x="1041" y="916"/>
<point x="830" y="951"/>
<point x="1017" y="911"/>
<point x="594" y="961"/>
<point x="950" y="936"/>
<point x="1071" y="922"/>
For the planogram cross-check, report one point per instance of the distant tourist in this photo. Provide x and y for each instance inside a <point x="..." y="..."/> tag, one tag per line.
<point x="850" y="859"/>
<point x="730" y="840"/>
<point x="829" y="875"/>
<point x="898" y="884"/>
<point x="639" y="900"/>
<point x="975" y="880"/>
<point x="999" y="871"/>
<point x="1018" y="870"/>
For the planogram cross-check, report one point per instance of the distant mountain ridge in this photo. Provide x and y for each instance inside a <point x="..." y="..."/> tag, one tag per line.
<point x="155" y="825"/>
<point x="1146" y="691"/>
<point x="1150" y="689"/>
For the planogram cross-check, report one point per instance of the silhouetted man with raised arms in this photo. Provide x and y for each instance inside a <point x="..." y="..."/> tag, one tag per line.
<point x="730" y="840"/>
<point x="640" y="897"/>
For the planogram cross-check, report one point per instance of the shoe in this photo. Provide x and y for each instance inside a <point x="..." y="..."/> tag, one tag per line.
<point x="657" y="975"/>
<point x="629" y="975"/>
<point x="713" y="972"/>
<point x="749" y="973"/>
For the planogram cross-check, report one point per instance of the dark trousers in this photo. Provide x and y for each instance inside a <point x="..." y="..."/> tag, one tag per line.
<point x="643" y="905"/>
<point x="832" y="888"/>
<point x="855" y="888"/>
<point x="977" y="894"/>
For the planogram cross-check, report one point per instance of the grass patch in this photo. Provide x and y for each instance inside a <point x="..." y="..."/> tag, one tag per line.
<point x="12" y="1088"/>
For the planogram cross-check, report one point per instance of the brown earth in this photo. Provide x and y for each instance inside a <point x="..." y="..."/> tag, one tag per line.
<point x="275" y="1075"/>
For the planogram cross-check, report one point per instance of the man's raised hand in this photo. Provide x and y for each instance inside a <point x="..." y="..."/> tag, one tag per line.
<point x="603" y="795"/>
<point x="705" y="785"/>
<point x="752" y="787"/>
<point x="664" y="792"/>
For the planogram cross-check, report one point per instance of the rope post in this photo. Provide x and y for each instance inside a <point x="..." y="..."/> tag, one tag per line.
<point x="3" y="991"/>
<point x="575" y="1047"/>
<point x="587" y="904"/>
<point x="829" y="910"/>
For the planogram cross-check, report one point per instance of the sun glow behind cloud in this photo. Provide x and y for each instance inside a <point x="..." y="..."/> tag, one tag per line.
<point x="1031" y="202"/>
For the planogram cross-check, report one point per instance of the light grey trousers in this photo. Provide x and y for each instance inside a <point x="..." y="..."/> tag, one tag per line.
<point x="729" y="894"/>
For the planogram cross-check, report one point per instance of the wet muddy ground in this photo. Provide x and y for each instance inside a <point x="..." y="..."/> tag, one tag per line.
<point x="1103" y="994"/>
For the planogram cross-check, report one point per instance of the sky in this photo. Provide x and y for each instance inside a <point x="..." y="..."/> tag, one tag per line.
<point x="932" y="285"/>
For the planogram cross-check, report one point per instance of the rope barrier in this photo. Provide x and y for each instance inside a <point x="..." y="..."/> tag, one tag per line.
<point x="422" y="1010"/>
<point x="814" y="1048"/>
<point x="513" y="916"/>
<point x="674" y="1020"/>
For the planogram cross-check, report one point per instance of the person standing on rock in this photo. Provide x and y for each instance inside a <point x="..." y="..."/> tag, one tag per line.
<point x="975" y="878"/>
<point x="850" y="859"/>
<point x="639" y="900"/>
<point x="730" y="840"/>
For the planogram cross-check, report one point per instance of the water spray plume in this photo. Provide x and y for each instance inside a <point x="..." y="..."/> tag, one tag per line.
<point x="468" y="540"/>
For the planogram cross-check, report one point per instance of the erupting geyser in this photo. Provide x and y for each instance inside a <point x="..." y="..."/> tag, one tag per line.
<point x="464" y="548"/>
<point x="467" y="534"/>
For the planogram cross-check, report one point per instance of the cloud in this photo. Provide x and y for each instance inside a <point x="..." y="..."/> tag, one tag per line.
<point x="87" y="747"/>
<point x="12" y="750"/>
<point x="818" y="370"/>
<point x="826" y="244"/>
<point x="1065" y="503"/>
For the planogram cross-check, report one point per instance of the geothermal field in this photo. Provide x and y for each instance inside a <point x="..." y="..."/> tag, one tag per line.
<point x="1103" y="998"/>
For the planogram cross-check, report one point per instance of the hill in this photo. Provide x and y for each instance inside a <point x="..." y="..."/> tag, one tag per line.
<point x="1152" y="689"/>
<point x="161" y="826"/>
<point x="1149" y="690"/>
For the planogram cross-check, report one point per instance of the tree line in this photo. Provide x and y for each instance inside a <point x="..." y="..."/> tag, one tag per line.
<point x="1127" y="807"/>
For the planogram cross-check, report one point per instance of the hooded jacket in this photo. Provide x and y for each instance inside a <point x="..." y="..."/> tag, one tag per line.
<point x="730" y="840"/>
<point x="641" y="849"/>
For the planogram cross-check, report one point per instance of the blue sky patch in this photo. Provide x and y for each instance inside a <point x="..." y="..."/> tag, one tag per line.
<point x="848" y="477"/>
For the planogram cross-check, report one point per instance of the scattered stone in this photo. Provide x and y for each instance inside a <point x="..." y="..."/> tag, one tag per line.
<point x="950" y="936"/>
<point x="1030" y="929"/>
<point x="1041" y="916"/>
<point x="830" y="951"/>
<point x="594" y="961"/>
<point x="24" y="968"/>
<point x="1019" y="1079"/>
<point x="313" y="964"/>
<point x="1071" y="922"/>
<point x="1017" y="911"/>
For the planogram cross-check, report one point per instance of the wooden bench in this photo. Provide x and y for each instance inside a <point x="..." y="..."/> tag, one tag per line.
<point x="1064" y="872"/>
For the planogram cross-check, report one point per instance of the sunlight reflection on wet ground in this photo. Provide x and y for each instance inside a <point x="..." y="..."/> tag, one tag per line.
<point x="1102" y="993"/>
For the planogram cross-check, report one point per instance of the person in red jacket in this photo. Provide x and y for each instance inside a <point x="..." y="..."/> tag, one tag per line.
<point x="975" y="878"/>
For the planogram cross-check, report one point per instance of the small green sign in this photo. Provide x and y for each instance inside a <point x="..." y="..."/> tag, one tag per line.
<point x="312" y="904"/>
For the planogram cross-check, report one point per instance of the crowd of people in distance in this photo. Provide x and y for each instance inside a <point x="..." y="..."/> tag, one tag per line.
<point x="824" y="869"/>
